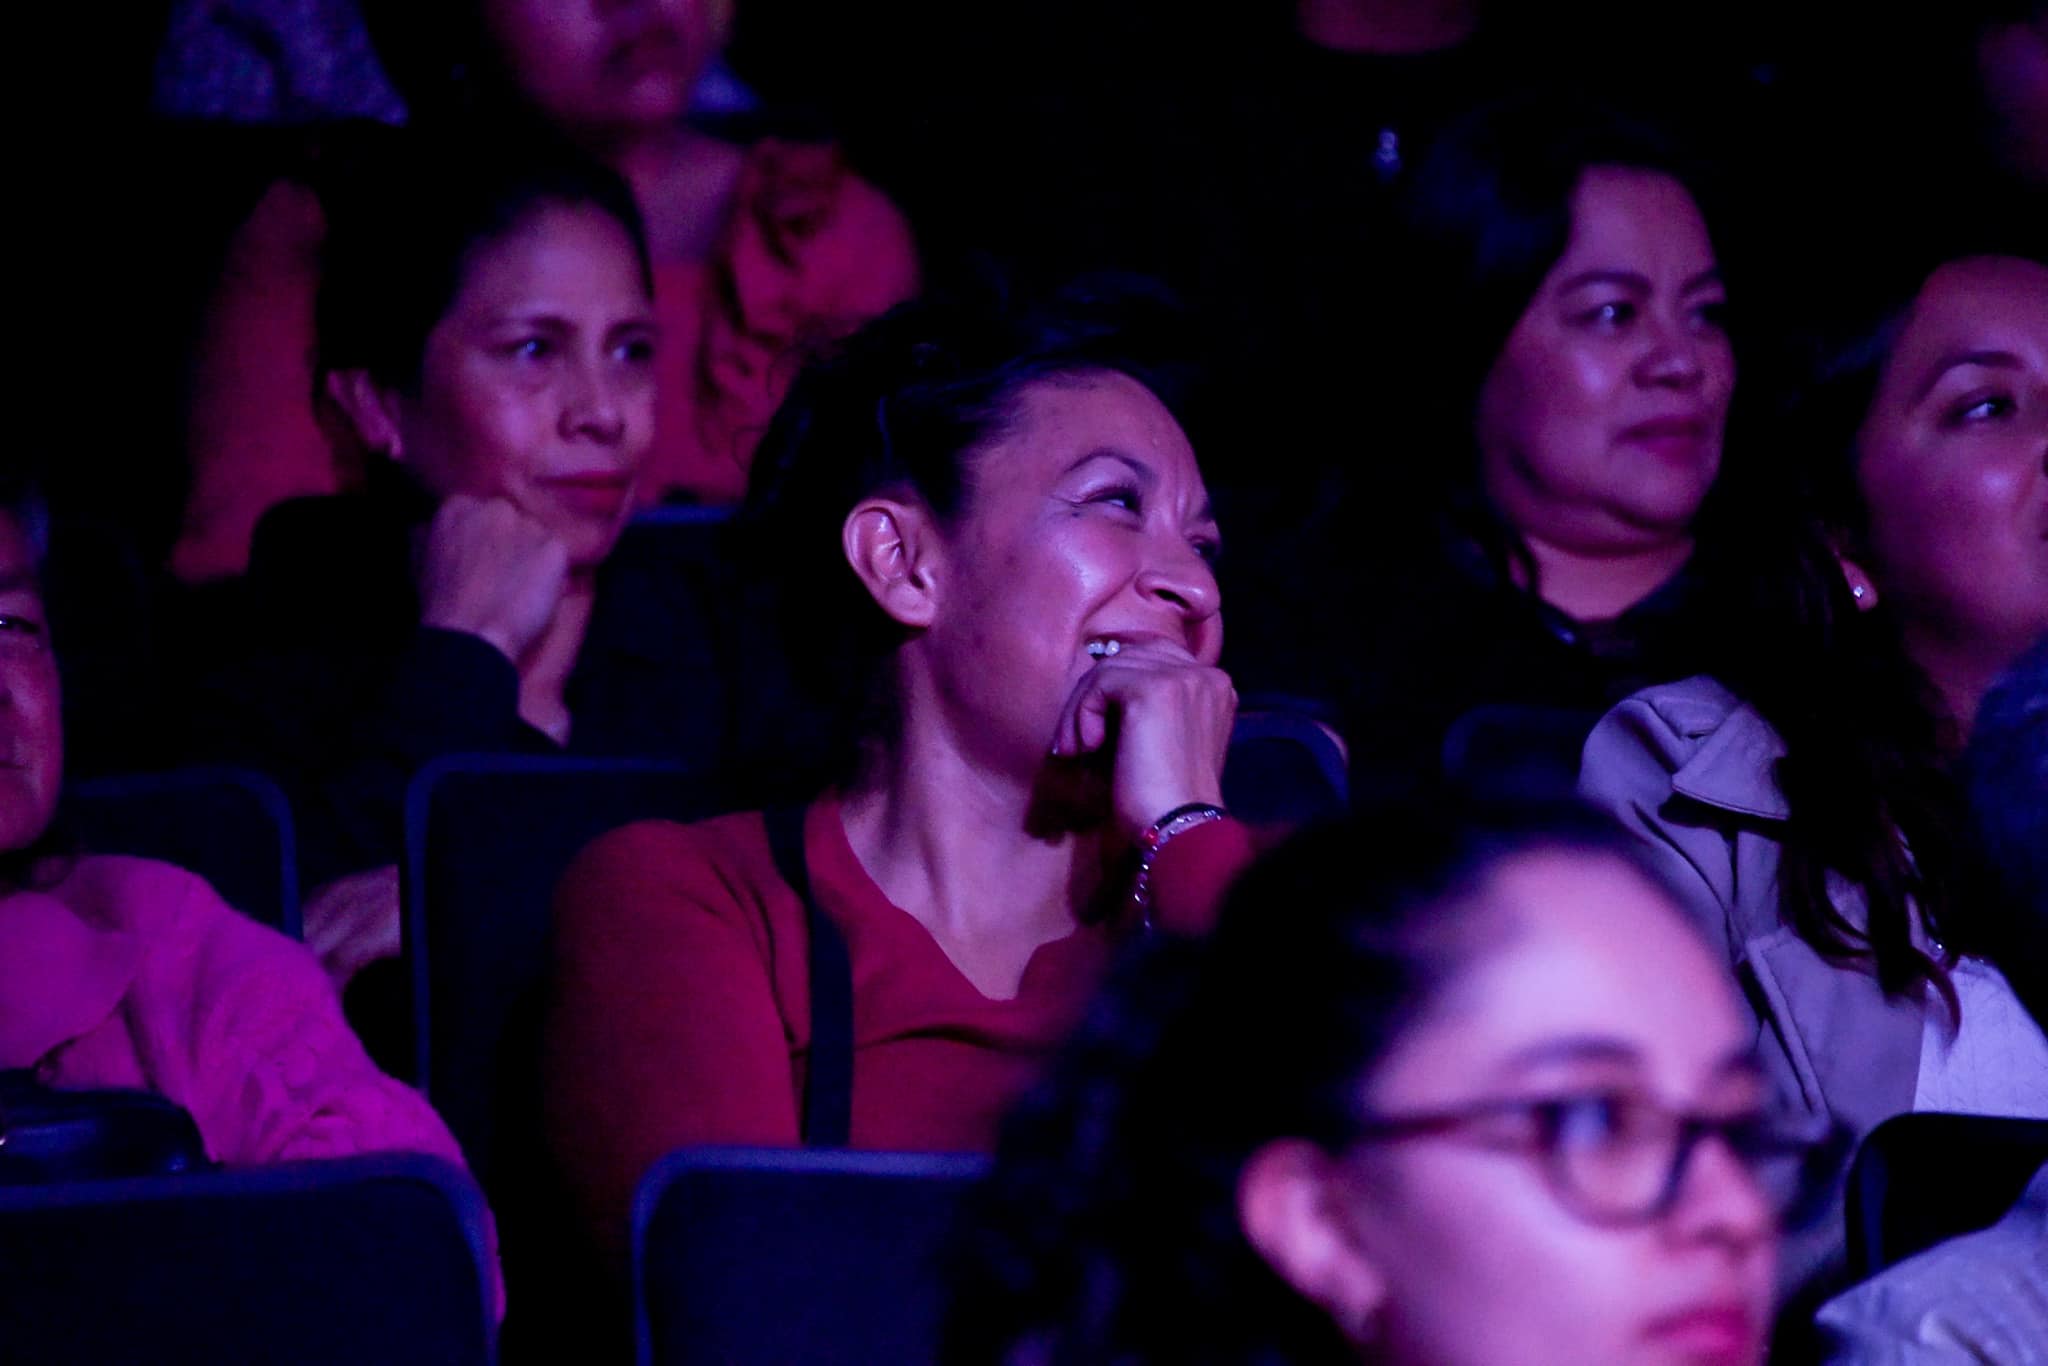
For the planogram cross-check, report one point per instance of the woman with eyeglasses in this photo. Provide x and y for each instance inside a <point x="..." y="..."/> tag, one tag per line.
<point x="1447" y="1086"/>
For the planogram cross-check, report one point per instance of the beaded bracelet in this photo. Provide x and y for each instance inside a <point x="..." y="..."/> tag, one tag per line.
<point x="1155" y="839"/>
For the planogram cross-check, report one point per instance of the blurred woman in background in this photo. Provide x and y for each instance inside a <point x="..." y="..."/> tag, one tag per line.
<point x="753" y="248"/>
<point x="488" y="331"/>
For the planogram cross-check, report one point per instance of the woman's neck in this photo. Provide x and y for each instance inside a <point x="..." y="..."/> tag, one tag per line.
<point x="951" y="843"/>
<point x="1387" y="27"/>
<point x="684" y="181"/>
<point x="1601" y="587"/>
<point x="544" y="670"/>
<point x="1960" y="675"/>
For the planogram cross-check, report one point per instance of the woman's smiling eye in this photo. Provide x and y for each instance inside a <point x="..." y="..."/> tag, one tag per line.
<point x="1125" y="496"/>
<point x="637" y="351"/>
<point x="1208" y="547"/>
<point x="531" y="348"/>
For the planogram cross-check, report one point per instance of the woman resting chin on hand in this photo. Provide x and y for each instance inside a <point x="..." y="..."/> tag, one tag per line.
<point x="993" y="548"/>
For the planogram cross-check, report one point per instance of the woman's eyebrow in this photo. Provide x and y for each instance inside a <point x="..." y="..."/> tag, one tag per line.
<point x="532" y="317"/>
<point x="1625" y="279"/>
<point x="1955" y="360"/>
<point x="1638" y="282"/>
<point x="1146" y="475"/>
<point x="1586" y="1048"/>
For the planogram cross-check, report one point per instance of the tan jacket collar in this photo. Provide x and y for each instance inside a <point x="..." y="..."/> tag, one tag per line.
<point x="1735" y="768"/>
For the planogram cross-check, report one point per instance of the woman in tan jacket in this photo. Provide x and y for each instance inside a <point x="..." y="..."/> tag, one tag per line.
<point x="1804" y="798"/>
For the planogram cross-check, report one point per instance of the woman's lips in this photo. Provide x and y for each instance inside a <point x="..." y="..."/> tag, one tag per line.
<point x="595" y="494"/>
<point x="659" y="51"/>
<point x="1668" y="436"/>
<point x="1721" y="1332"/>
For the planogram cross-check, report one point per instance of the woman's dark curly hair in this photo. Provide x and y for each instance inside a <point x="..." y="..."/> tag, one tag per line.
<point x="907" y="405"/>
<point x="1108" y="1232"/>
<point x="1869" y="768"/>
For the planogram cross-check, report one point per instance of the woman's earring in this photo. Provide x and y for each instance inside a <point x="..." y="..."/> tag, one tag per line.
<point x="1857" y="592"/>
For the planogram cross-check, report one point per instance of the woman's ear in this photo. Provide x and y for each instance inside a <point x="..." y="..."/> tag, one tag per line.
<point x="894" y="547"/>
<point x="1291" y="1206"/>
<point x="371" y="410"/>
<point x="1861" y="587"/>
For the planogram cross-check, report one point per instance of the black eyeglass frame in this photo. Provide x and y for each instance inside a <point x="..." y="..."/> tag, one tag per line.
<point x="1818" y="1144"/>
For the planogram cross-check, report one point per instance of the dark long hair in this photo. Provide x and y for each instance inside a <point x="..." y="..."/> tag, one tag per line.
<point x="2006" y="772"/>
<point x="1108" y="1232"/>
<point x="406" y="226"/>
<point x="1488" y="215"/>
<point x="909" y="403"/>
<point x="1869" y="768"/>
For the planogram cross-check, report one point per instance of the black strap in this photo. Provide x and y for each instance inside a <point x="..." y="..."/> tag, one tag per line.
<point x="828" y="1080"/>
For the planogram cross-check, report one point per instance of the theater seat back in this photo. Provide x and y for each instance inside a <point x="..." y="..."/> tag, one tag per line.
<point x="232" y="826"/>
<point x="1919" y="1179"/>
<point x="487" y="839"/>
<point x="773" y="1257"/>
<point x="364" y="1259"/>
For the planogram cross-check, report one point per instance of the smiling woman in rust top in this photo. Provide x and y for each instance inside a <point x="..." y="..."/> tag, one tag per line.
<point x="994" y="549"/>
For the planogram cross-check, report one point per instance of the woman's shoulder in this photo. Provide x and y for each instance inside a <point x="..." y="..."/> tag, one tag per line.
<point x="144" y="897"/>
<point x="721" y="863"/>
<point x="1695" y="738"/>
<point x="195" y="947"/>
<point x="295" y="544"/>
<point x="715" y="840"/>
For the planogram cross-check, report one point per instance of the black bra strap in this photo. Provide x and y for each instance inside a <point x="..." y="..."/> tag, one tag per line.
<point x="828" y="1080"/>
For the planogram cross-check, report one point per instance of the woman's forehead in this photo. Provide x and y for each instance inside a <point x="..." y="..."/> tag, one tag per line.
<point x="1574" y="948"/>
<point x="1062" y="421"/>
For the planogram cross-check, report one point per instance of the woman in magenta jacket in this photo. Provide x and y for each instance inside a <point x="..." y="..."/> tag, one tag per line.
<point x="123" y="972"/>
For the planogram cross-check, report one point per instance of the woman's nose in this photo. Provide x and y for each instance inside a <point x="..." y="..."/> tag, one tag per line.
<point x="1180" y="574"/>
<point x="1673" y="356"/>
<point x="1719" y="1199"/>
<point x="591" y="406"/>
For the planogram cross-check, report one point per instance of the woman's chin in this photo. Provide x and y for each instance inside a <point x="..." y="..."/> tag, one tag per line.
<point x="588" y="544"/>
<point x="24" y="817"/>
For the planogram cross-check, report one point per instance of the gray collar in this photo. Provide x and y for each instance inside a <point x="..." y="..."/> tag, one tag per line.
<point x="1735" y="768"/>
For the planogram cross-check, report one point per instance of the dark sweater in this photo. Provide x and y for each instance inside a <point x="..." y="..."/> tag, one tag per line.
<point x="328" y="682"/>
